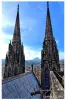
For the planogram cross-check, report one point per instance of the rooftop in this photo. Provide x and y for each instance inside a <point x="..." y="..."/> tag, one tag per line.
<point x="20" y="86"/>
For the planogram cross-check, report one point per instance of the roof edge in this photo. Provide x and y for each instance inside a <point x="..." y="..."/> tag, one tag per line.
<point x="14" y="77"/>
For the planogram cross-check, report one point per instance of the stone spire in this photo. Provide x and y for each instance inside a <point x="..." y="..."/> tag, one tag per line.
<point x="16" y="35"/>
<point x="49" y="53"/>
<point x="15" y="58"/>
<point x="47" y="4"/>
<point x="48" y="31"/>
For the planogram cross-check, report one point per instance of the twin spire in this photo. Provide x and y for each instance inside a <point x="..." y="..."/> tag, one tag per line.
<point x="48" y="24"/>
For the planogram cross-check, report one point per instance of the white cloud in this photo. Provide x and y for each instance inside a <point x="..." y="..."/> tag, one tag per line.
<point x="3" y="49"/>
<point x="4" y="44"/>
<point x="8" y="17"/>
<point x="57" y="41"/>
<point x="30" y="54"/>
<point x="40" y="8"/>
<point x="5" y="36"/>
<point x="61" y="54"/>
<point x="30" y="29"/>
<point x="6" y="23"/>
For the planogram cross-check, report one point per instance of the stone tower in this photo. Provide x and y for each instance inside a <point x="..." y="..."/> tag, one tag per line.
<point x="15" y="59"/>
<point x="49" y="53"/>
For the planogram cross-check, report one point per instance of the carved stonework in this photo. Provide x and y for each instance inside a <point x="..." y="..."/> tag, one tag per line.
<point x="15" y="59"/>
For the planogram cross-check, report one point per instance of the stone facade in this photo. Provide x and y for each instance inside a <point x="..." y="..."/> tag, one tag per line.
<point x="49" y="53"/>
<point x="15" y="58"/>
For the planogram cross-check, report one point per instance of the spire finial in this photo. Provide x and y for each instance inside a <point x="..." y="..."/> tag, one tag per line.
<point x="47" y="4"/>
<point x="18" y="8"/>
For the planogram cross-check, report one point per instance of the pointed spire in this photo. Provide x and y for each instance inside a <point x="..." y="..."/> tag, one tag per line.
<point x="18" y="8"/>
<point x="48" y="7"/>
<point x="47" y="4"/>
<point x="48" y="31"/>
<point x="16" y="36"/>
<point x="17" y="12"/>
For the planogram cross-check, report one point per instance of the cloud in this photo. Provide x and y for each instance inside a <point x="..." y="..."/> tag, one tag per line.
<point x="7" y="19"/>
<point x="30" y="53"/>
<point x="61" y="54"/>
<point x="3" y="49"/>
<point x="7" y="23"/>
<point x="5" y="35"/>
<point x="30" y="29"/>
<point x="4" y="40"/>
<point x="40" y="8"/>
<point x="26" y="24"/>
<point x="57" y="41"/>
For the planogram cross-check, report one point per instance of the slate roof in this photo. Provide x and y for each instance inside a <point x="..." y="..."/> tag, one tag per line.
<point x="20" y="86"/>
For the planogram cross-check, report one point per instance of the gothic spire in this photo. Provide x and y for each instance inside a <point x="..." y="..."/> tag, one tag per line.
<point x="16" y="36"/>
<point x="48" y="31"/>
<point x="15" y="58"/>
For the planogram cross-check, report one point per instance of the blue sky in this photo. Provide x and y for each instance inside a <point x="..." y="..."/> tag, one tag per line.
<point x="32" y="24"/>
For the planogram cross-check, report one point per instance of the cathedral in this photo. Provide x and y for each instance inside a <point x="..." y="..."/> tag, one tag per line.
<point x="24" y="85"/>
<point x="15" y="58"/>
<point x="49" y="53"/>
